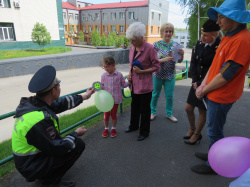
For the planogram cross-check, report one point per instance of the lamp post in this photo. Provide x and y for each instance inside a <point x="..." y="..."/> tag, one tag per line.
<point x="198" y="19"/>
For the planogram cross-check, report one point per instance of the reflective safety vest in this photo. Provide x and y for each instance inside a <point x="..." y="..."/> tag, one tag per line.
<point x="23" y="124"/>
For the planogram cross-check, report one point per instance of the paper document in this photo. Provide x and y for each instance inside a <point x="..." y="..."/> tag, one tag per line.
<point x="175" y="53"/>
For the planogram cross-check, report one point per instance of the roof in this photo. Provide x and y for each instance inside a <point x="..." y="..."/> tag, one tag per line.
<point x="69" y="6"/>
<point x="116" y="5"/>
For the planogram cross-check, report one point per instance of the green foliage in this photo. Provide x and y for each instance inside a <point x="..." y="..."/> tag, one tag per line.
<point x="118" y="42"/>
<point x="192" y="21"/>
<point x="71" y="31"/>
<point x="103" y="40"/>
<point x="81" y="36"/>
<point x="40" y="35"/>
<point x="112" y="39"/>
<point x="95" y="38"/>
<point x="124" y="40"/>
<point x="26" y="53"/>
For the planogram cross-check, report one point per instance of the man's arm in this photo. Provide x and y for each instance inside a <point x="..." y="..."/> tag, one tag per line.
<point x="71" y="101"/>
<point x="228" y="70"/>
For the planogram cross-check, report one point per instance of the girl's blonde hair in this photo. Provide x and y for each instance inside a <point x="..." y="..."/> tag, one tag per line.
<point x="108" y="60"/>
<point x="166" y="26"/>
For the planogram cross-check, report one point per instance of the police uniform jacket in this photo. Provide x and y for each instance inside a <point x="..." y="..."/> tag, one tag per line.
<point x="201" y="60"/>
<point x="36" y="141"/>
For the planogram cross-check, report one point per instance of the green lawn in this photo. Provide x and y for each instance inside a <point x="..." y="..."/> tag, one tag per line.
<point x="34" y="52"/>
<point x="65" y="121"/>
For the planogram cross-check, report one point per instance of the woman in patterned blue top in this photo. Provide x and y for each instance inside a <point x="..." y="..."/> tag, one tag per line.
<point x="166" y="76"/>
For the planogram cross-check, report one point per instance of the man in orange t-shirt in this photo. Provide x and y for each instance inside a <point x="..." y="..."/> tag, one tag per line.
<point x="225" y="79"/>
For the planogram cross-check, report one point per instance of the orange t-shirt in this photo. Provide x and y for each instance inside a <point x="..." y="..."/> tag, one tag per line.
<point x="237" y="49"/>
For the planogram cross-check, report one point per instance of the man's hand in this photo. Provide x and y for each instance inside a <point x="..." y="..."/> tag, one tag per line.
<point x="81" y="131"/>
<point x="199" y="94"/>
<point x="90" y="91"/>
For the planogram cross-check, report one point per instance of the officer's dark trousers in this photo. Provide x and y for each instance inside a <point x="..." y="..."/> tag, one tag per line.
<point x="62" y="164"/>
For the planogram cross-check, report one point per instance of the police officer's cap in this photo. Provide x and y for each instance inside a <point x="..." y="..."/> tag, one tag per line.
<point x="210" y="26"/>
<point x="43" y="80"/>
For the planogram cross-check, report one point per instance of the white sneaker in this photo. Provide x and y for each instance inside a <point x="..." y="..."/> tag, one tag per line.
<point x="152" y="117"/>
<point x="173" y="119"/>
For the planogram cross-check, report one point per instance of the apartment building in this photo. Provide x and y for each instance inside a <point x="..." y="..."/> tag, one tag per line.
<point x="182" y="37"/>
<point x="113" y="17"/>
<point x="18" y="17"/>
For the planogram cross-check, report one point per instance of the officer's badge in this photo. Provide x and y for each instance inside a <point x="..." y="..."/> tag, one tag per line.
<point x="51" y="132"/>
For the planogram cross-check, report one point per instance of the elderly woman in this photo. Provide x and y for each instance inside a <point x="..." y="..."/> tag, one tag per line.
<point x="143" y="62"/>
<point x="166" y="76"/>
<point x="201" y="61"/>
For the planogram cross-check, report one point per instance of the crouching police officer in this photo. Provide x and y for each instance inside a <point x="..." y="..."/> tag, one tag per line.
<point x="39" y="150"/>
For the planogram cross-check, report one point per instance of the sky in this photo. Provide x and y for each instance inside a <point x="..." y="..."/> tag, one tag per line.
<point x="175" y="15"/>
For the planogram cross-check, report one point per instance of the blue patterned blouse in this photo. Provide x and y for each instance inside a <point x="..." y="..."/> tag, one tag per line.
<point x="167" y="68"/>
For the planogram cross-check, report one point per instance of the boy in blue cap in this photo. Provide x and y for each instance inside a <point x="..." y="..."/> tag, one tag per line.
<point x="224" y="81"/>
<point x="39" y="150"/>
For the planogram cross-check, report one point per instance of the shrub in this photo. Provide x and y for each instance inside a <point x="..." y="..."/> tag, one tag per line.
<point x="40" y="35"/>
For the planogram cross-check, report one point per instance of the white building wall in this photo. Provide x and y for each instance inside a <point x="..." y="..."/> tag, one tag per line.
<point x="30" y="12"/>
<point x="182" y="37"/>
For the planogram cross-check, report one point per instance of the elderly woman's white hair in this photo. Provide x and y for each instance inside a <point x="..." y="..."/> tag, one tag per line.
<point x="135" y="31"/>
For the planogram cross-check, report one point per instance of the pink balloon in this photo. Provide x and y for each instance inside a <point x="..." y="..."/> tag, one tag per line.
<point x="230" y="157"/>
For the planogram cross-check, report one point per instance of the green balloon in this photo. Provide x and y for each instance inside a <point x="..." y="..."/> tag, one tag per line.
<point x="104" y="101"/>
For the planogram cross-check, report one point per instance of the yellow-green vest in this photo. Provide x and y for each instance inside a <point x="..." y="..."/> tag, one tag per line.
<point x="22" y="126"/>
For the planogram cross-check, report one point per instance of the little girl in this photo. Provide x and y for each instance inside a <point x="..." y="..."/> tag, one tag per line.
<point x="112" y="81"/>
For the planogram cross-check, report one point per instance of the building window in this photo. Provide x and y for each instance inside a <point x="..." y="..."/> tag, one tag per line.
<point x="1" y="3"/>
<point x="84" y="17"/>
<point x="131" y="15"/>
<point x="176" y="37"/>
<point x="151" y="29"/>
<point x="66" y="40"/>
<point x="153" y="15"/>
<point x="76" y="17"/>
<point x="182" y="43"/>
<point x="65" y="28"/>
<point x="113" y="28"/>
<point x="105" y="28"/>
<point x="182" y="37"/>
<point x="159" y="17"/>
<point x="121" y="28"/>
<point x="158" y="30"/>
<point x="64" y="15"/>
<point x="6" y="31"/>
<point x="122" y="15"/>
<point x="70" y="16"/>
<point x="84" y="28"/>
<point x="90" y="16"/>
<point x="159" y="4"/>
<point x="90" y="28"/>
<point x="113" y="15"/>
<point x="98" y="28"/>
<point x="188" y="37"/>
<point x="105" y="16"/>
<point x="77" y="28"/>
<point x="97" y="16"/>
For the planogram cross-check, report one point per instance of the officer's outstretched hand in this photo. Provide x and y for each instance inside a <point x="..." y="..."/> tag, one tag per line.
<point x="81" y="131"/>
<point x="88" y="93"/>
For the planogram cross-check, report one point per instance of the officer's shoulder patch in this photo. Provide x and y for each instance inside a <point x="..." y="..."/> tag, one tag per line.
<point x="51" y="132"/>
